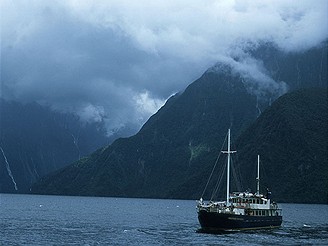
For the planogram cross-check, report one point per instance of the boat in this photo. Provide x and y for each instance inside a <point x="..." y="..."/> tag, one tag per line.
<point x="240" y="210"/>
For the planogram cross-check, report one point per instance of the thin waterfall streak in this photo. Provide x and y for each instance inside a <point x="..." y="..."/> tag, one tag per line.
<point x="298" y="74"/>
<point x="321" y="67"/>
<point x="257" y="107"/>
<point x="8" y="169"/>
<point x="75" y="141"/>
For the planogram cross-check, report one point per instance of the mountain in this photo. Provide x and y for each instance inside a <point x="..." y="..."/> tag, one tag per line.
<point x="305" y="69"/>
<point x="35" y="141"/>
<point x="292" y="138"/>
<point x="169" y="147"/>
<point x="173" y="153"/>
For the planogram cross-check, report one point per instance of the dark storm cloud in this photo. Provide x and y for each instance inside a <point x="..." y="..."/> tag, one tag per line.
<point x="118" y="61"/>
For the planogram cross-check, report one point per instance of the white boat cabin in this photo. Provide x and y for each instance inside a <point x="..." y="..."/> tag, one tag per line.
<point x="244" y="203"/>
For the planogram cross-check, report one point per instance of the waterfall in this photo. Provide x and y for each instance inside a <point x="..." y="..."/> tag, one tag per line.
<point x="8" y="169"/>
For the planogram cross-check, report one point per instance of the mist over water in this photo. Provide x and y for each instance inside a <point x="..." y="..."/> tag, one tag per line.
<point x="59" y="220"/>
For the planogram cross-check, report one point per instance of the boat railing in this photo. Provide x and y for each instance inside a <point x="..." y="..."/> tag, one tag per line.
<point x="220" y="210"/>
<point x="242" y="205"/>
<point x="274" y="205"/>
<point x="278" y="212"/>
<point x="218" y="207"/>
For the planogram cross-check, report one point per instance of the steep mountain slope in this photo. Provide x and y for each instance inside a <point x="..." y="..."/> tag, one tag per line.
<point x="166" y="150"/>
<point x="173" y="153"/>
<point x="306" y="69"/>
<point x="35" y="141"/>
<point x="292" y="138"/>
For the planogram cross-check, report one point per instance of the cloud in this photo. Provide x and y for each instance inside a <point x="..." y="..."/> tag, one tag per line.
<point x="146" y="105"/>
<point x="118" y="61"/>
<point x="92" y="113"/>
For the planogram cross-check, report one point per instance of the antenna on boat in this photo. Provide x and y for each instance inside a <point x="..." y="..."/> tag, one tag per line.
<point x="258" y="175"/>
<point x="228" y="166"/>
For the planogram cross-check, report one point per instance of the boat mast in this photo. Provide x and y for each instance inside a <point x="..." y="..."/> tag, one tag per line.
<point x="228" y="166"/>
<point x="258" y="175"/>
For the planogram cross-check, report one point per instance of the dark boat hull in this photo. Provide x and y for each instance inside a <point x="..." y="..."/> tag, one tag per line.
<point x="211" y="221"/>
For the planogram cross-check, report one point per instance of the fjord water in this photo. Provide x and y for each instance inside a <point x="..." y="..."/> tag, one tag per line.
<point x="62" y="220"/>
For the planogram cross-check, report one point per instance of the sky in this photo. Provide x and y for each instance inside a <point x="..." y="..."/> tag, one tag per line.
<point x="118" y="61"/>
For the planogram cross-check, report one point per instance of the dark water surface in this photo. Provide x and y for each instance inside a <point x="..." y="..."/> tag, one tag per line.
<point x="61" y="220"/>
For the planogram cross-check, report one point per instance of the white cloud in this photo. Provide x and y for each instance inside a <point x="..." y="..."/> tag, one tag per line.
<point x="119" y="60"/>
<point x="146" y="105"/>
<point x="91" y="113"/>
